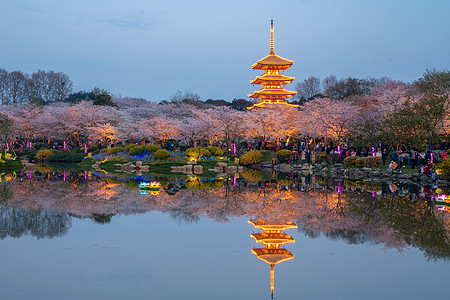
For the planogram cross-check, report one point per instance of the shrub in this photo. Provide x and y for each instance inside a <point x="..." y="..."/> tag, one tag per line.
<point x="114" y="150"/>
<point x="333" y="158"/>
<point x="215" y="151"/>
<point x="103" y="150"/>
<point x="253" y="175"/>
<point x="162" y="154"/>
<point x="283" y="155"/>
<point x="128" y="147"/>
<point x="321" y="157"/>
<point x="92" y="148"/>
<point x="372" y="161"/>
<point x="350" y="160"/>
<point x="444" y="167"/>
<point x="360" y="161"/>
<point x="43" y="154"/>
<point x="138" y="150"/>
<point x="152" y="148"/>
<point x="251" y="157"/>
<point x="197" y="152"/>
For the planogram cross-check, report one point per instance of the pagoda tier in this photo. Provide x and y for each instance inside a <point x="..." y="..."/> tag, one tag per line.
<point x="272" y="80"/>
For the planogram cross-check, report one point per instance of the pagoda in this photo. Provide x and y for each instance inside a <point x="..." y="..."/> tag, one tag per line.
<point x="272" y="93"/>
<point x="272" y="237"/>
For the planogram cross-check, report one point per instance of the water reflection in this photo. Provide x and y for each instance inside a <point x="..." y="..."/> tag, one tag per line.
<point x="273" y="238"/>
<point x="41" y="224"/>
<point x="356" y="212"/>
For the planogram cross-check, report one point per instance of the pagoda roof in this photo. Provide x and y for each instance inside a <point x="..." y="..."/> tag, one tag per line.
<point x="277" y="78"/>
<point x="273" y="256"/>
<point x="272" y="238"/>
<point x="264" y="225"/>
<point x="264" y="104"/>
<point x="272" y="61"/>
<point x="272" y="92"/>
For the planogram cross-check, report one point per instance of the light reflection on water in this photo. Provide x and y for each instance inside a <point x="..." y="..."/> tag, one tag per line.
<point x="99" y="236"/>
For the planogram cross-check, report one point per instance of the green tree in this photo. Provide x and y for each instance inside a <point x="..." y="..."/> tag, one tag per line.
<point x="104" y="99"/>
<point x="6" y="128"/>
<point x="434" y="82"/>
<point x="417" y="123"/>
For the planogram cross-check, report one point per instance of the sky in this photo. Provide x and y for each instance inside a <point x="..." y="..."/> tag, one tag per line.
<point x="152" y="48"/>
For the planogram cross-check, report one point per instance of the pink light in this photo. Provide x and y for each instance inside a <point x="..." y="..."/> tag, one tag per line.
<point x="234" y="180"/>
<point x="373" y="151"/>
<point x="29" y="145"/>
<point x="234" y="148"/>
<point x="373" y="194"/>
<point x="431" y="157"/>
<point x="85" y="174"/>
<point x="85" y="148"/>
<point x="7" y="146"/>
<point x="64" y="176"/>
<point x="29" y="175"/>
<point x="64" y="144"/>
<point x="339" y="187"/>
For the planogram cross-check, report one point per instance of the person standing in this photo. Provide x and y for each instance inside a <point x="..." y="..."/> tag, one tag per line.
<point x="383" y="156"/>
<point x="413" y="159"/>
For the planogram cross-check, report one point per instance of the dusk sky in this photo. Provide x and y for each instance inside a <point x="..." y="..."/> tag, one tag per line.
<point x="152" y="48"/>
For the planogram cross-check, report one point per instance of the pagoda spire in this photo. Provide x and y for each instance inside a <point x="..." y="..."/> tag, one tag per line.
<point x="272" y="279"/>
<point x="271" y="37"/>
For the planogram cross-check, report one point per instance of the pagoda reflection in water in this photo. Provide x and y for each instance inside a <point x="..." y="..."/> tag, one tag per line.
<point x="273" y="238"/>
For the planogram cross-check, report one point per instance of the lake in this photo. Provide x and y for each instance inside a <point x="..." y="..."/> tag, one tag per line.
<point x="70" y="235"/>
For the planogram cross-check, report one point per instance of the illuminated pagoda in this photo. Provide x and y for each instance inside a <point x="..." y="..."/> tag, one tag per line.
<point x="272" y="93"/>
<point x="272" y="237"/>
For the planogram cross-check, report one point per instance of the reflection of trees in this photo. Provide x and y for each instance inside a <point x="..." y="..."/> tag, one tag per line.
<point x="413" y="222"/>
<point x="354" y="216"/>
<point x="42" y="224"/>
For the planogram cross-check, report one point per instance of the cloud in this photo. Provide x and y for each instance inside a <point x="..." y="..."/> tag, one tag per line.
<point x="124" y="24"/>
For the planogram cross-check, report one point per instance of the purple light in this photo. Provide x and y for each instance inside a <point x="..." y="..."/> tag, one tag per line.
<point x="234" y="181"/>
<point x="373" y="151"/>
<point x="373" y="194"/>
<point x="29" y="175"/>
<point x="339" y="187"/>
<point x="431" y="157"/>
<point x="234" y="148"/>
<point x="64" y="144"/>
<point x="29" y="145"/>
<point x="64" y="176"/>
<point x="7" y="146"/>
<point x="85" y="148"/>
<point x="85" y="174"/>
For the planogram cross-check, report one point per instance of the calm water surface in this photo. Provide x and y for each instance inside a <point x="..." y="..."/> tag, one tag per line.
<point x="64" y="236"/>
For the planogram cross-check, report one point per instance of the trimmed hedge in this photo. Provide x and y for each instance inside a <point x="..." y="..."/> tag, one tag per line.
<point x="197" y="152"/>
<point x="152" y="148"/>
<point x="251" y="157"/>
<point x="137" y="150"/>
<point x="43" y="154"/>
<point x="114" y="150"/>
<point x="128" y="147"/>
<point x="215" y="151"/>
<point x="162" y="154"/>
<point x="283" y="155"/>
<point x="350" y="161"/>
